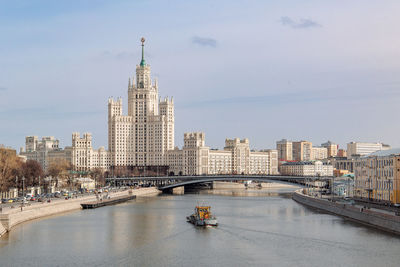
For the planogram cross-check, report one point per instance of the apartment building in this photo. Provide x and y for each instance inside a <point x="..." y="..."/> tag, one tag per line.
<point x="359" y="149"/>
<point x="306" y="168"/>
<point x="236" y="158"/>
<point x="377" y="177"/>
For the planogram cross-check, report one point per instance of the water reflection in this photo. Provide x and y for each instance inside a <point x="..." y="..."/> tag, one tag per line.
<point x="257" y="228"/>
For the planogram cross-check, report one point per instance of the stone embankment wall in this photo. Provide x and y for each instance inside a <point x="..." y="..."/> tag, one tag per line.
<point x="2" y="230"/>
<point x="376" y="219"/>
<point x="12" y="217"/>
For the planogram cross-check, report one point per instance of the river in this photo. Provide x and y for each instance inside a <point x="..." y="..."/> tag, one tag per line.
<point x="257" y="228"/>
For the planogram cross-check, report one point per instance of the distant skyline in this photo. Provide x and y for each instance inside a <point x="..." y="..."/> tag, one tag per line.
<point x="263" y="70"/>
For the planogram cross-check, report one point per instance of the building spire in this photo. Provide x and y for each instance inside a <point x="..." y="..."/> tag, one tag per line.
<point x="142" y="62"/>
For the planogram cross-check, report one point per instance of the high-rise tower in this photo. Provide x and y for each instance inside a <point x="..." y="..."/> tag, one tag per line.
<point x="143" y="137"/>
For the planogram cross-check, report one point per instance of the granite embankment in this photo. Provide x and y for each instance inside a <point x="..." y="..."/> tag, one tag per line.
<point x="379" y="219"/>
<point x="11" y="217"/>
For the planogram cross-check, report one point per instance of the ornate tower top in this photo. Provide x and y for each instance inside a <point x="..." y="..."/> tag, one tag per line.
<point x="142" y="62"/>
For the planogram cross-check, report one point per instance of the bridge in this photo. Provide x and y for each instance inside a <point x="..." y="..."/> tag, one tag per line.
<point x="166" y="183"/>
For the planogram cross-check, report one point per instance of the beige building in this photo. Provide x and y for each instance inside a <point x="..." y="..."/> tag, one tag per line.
<point x="285" y="150"/>
<point x="81" y="154"/>
<point x="219" y="161"/>
<point x="319" y="153"/>
<point x="45" y="150"/>
<point x="144" y="136"/>
<point x="307" y="168"/>
<point x="359" y="149"/>
<point x="332" y="148"/>
<point x="302" y="151"/>
<point x="342" y="163"/>
<point x="197" y="159"/>
<point x="84" y="157"/>
<point x="377" y="176"/>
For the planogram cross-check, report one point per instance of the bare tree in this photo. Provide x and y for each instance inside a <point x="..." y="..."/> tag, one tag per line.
<point x="98" y="175"/>
<point x="59" y="169"/>
<point x="10" y="166"/>
<point x="32" y="169"/>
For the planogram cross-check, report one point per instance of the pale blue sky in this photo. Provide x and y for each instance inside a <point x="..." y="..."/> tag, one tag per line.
<point x="265" y="70"/>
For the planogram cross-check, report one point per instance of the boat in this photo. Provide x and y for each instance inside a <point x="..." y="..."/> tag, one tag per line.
<point x="202" y="217"/>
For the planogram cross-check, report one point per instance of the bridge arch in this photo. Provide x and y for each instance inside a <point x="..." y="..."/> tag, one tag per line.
<point x="170" y="182"/>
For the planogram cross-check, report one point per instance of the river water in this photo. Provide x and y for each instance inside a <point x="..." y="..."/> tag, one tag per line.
<point x="257" y="228"/>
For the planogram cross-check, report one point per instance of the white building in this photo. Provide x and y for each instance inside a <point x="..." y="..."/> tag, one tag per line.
<point x="197" y="159"/>
<point x="358" y="149"/>
<point x="307" y="168"/>
<point x="84" y="158"/>
<point x="144" y="136"/>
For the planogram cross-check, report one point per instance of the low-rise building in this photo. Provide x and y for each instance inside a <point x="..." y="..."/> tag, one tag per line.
<point x="86" y="183"/>
<point x="342" y="163"/>
<point x="306" y="168"/>
<point x="377" y="177"/>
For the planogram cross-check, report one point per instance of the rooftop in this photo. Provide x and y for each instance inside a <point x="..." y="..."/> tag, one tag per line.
<point x="383" y="153"/>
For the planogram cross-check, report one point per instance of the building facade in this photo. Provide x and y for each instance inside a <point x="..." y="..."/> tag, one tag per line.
<point x="144" y="136"/>
<point x="358" y="149"/>
<point x="285" y="150"/>
<point x="342" y="163"/>
<point x="342" y="153"/>
<point x="45" y="150"/>
<point x="332" y="148"/>
<point x="195" y="158"/>
<point x="302" y="151"/>
<point x="377" y="177"/>
<point x="319" y="153"/>
<point x="84" y="157"/>
<point x="306" y="168"/>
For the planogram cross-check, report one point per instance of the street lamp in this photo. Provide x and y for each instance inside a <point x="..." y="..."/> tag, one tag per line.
<point x="23" y="186"/>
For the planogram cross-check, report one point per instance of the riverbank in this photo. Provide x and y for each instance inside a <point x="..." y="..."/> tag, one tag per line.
<point x="12" y="217"/>
<point x="372" y="217"/>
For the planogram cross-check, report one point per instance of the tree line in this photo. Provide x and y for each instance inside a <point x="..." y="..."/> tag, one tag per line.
<point x="13" y="168"/>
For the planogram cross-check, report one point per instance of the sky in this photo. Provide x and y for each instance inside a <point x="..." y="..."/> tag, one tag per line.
<point x="263" y="70"/>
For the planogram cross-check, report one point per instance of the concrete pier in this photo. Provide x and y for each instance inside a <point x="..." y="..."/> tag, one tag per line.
<point x="178" y="190"/>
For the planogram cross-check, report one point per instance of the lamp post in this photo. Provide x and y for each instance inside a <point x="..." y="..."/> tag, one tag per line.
<point x="51" y="185"/>
<point x="16" y="183"/>
<point x="23" y="191"/>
